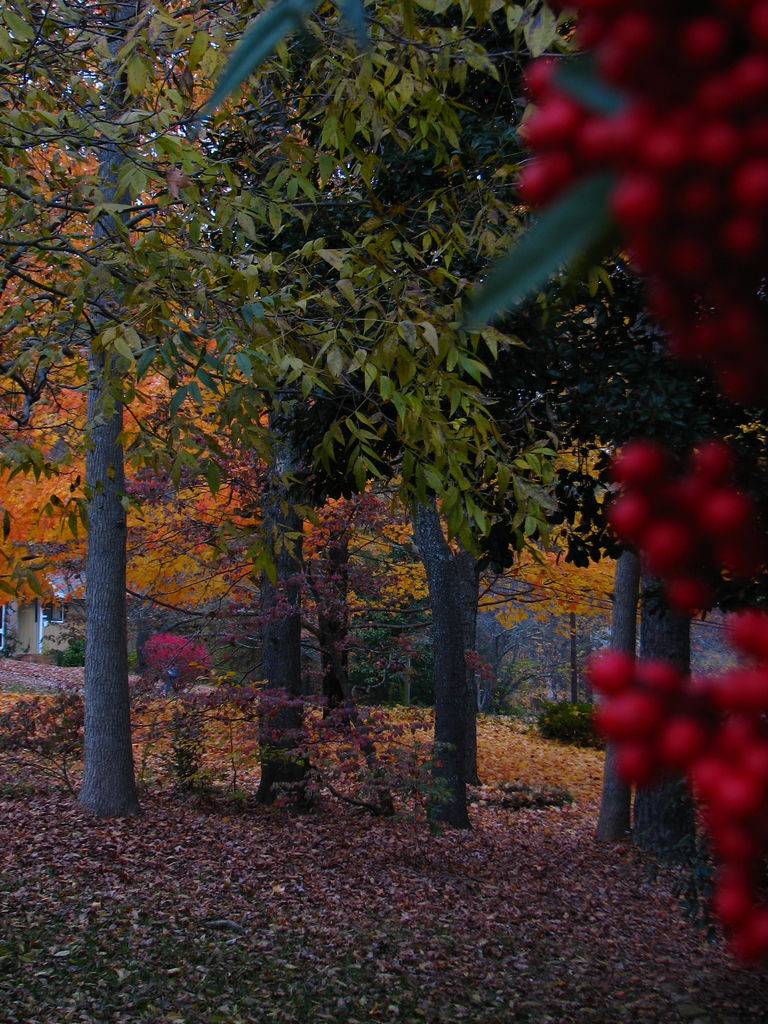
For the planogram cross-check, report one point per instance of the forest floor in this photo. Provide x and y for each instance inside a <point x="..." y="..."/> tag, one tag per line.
<point x="206" y="910"/>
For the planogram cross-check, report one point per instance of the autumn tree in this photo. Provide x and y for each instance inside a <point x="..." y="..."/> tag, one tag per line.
<point x="92" y="214"/>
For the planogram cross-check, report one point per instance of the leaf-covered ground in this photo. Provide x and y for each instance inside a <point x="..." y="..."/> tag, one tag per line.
<point x="203" y="912"/>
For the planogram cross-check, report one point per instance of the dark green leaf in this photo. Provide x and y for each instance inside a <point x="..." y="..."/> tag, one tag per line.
<point x="562" y="232"/>
<point x="578" y="78"/>
<point x="244" y="364"/>
<point x="258" y="42"/>
<point x="252" y="311"/>
<point x="353" y="12"/>
<point x="207" y="380"/>
<point x="145" y="361"/>
<point x="177" y="400"/>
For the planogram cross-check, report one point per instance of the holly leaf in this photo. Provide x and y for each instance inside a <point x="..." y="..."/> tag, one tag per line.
<point x="569" y="227"/>
<point x="258" y="42"/>
<point x="577" y="77"/>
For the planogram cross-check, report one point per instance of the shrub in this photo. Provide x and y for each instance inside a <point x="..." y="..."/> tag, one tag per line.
<point x="177" y="659"/>
<point x="569" y="723"/>
<point x="73" y="655"/>
<point x="44" y="732"/>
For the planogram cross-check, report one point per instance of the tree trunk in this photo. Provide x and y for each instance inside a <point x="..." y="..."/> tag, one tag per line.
<point x="663" y="814"/>
<point x="614" y="820"/>
<point x="332" y="622"/>
<point x="450" y="667"/>
<point x="469" y="591"/>
<point x="109" y="783"/>
<point x="284" y="762"/>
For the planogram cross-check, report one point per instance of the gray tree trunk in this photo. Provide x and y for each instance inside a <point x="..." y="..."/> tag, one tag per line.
<point x="109" y="783"/>
<point x="450" y="667"/>
<point x="281" y="729"/>
<point x="614" y="821"/>
<point x="663" y="814"/>
<point x="331" y="596"/>
<point x="468" y="580"/>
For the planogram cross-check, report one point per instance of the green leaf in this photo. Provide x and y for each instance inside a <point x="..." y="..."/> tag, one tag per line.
<point x="145" y="361"/>
<point x="540" y="31"/>
<point x="244" y="364"/>
<point x="577" y="77"/>
<point x="213" y="476"/>
<point x="258" y="42"/>
<point x="563" y="231"/>
<point x="177" y="400"/>
<point x="200" y="44"/>
<point x="20" y="29"/>
<point x="252" y="311"/>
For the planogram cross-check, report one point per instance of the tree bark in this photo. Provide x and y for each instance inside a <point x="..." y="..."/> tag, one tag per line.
<point x="573" y="657"/>
<point x="332" y="622"/>
<point x="450" y="667"/>
<point x="663" y="814"/>
<point x="109" y="783"/>
<point x="284" y="762"/>
<point x="614" y="820"/>
<point x="468" y="580"/>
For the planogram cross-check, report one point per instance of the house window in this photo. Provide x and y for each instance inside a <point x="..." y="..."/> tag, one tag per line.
<point x="53" y="613"/>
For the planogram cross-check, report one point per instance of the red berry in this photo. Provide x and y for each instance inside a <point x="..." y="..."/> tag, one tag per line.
<point x="745" y="690"/>
<point x="688" y="257"/>
<point x="544" y="177"/>
<point x="636" y="764"/>
<point x="704" y="40"/>
<point x="705" y="773"/>
<point x="667" y="546"/>
<point x="750" y="184"/>
<point x="610" y="672"/>
<point x="597" y="139"/>
<point x="659" y="676"/>
<point x="749" y="81"/>
<point x="539" y="77"/>
<point x="682" y="739"/>
<point x="733" y="898"/>
<point x="718" y="144"/>
<point x="743" y="236"/>
<point x="714" y="461"/>
<point x="556" y="122"/>
<point x="640" y="464"/>
<point x="629" y="716"/>
<point x="754" y="759"/>
<point x="733" y="842"/>
<point x="629" y="516"/>
<point x="737" y="794"/>
<point x="750" y="943"/>
<point x="748" y="632"/>
<point x="743" y="556"/>
<point x="725" y="512"/>
<point x="758" y="22"/>
<point x="699" y="198"/>
<point x="637" y="199"/>
<point x="666" y="148"/>
<point x="687" y="595"/>
<point x="736" y="732"/>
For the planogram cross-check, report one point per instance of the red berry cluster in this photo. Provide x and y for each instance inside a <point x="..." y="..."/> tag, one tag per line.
<point x="689" y="524"/>
<point x="690" y="154"/>
<point x="715" y="733"/>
